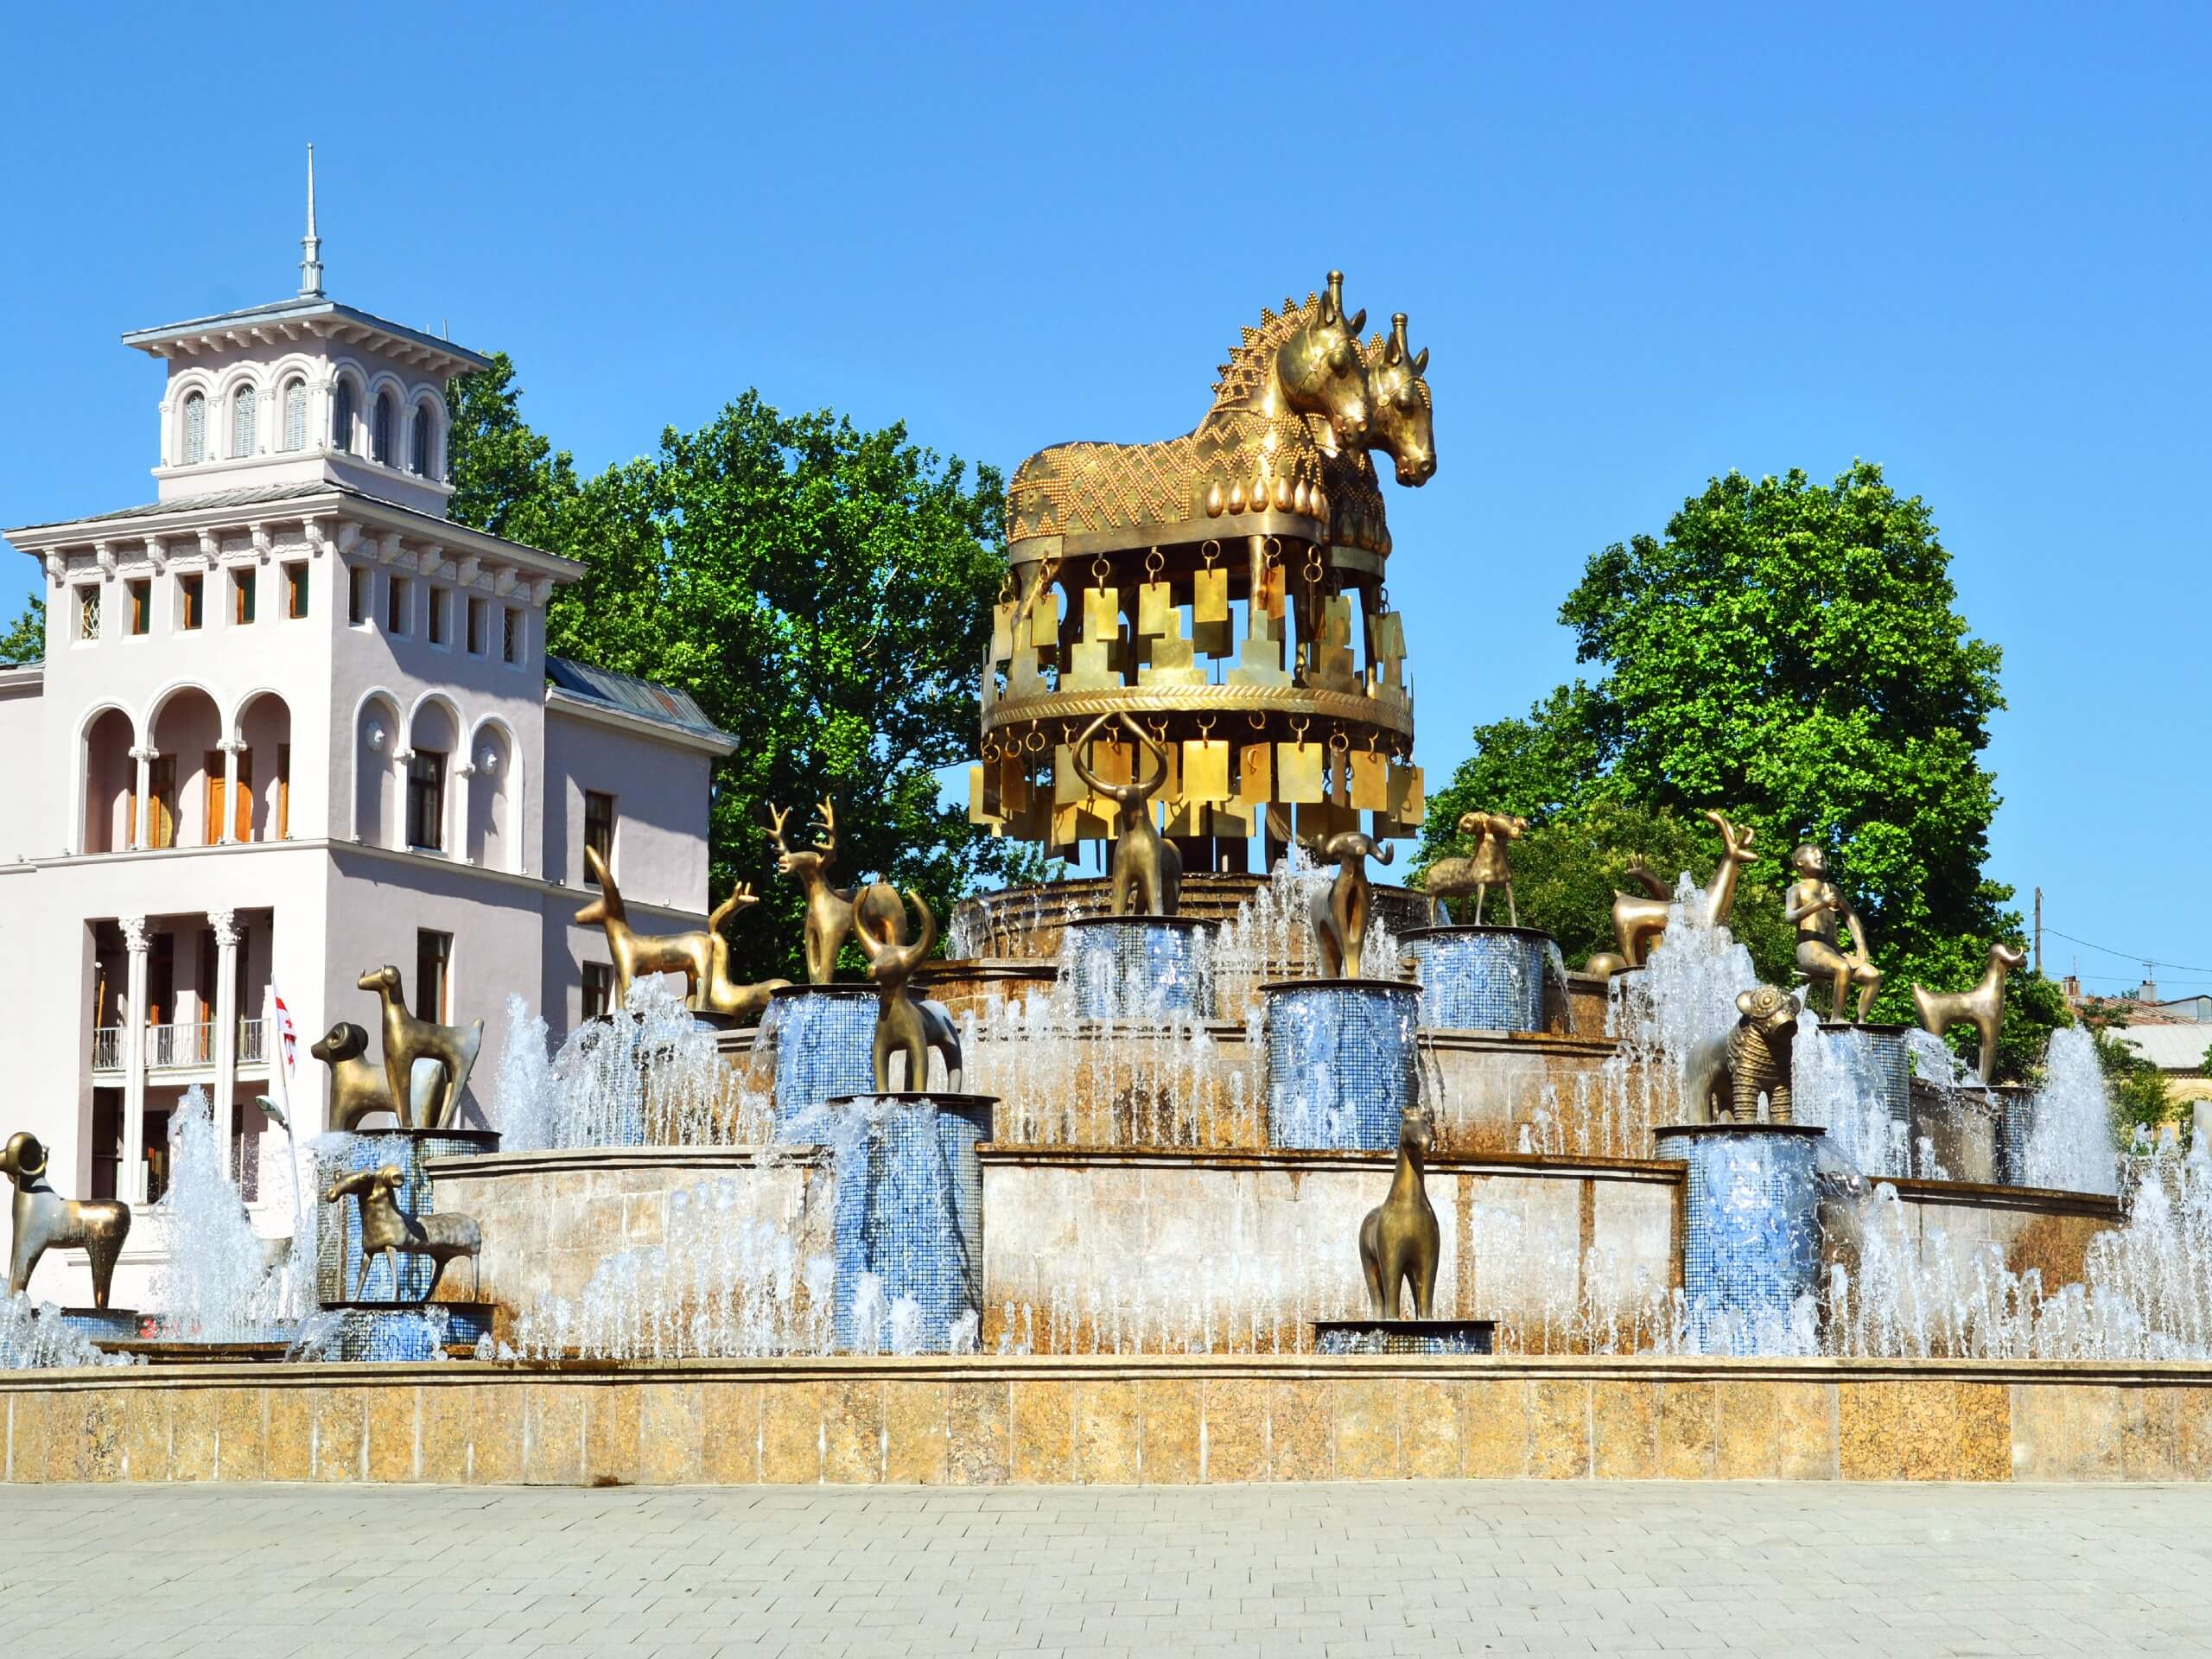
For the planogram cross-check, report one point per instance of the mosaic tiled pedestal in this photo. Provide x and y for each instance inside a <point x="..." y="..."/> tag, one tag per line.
<point x="338" y="1236"/>
<point x="1488" y="978"/>
<point x="1341" y="1062"/>
<point x="1139" y="967"/>
<point x="1750" y="1232"/>
<point x="1879" y="1058"/>
<point x="2014" y="1104"/>
<point x="824" y="1037"/>
<point x="402" y="1330"/>
<point x="100" y="1323"/>
<point x="1402" y="1336"/>
<point x="909" y="1211"/>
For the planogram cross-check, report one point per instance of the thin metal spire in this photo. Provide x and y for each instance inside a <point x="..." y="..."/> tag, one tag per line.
<point x="311" y="244"/>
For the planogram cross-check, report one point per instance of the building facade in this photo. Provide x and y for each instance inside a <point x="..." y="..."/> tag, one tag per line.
<point x="293" y="723"/>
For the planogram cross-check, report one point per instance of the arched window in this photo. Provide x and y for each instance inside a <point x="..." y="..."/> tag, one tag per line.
<point x="341" y="418"/>
<point x="296" y="415"/>
<point x="380" y="433"/>
<point x="246" y="434"/>
<point x="421" y="457"/>
<point x="196" y="428"/>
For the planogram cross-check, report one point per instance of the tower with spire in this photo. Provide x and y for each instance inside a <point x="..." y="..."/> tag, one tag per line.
<point x="310" y="244"/>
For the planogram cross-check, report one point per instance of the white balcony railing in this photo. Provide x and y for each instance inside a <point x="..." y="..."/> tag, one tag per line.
<point x="180" y="1046"/>
<point x="107" y="1049"/>
<point x="250" y="1050"/>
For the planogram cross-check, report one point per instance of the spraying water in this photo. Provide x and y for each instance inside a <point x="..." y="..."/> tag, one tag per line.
<point x="220" y="1281"/>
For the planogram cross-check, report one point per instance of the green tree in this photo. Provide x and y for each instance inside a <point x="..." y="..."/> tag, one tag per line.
<point x="1791" y="653"/>
<point x="824" y="593"/>
<point x="26" y="641"/>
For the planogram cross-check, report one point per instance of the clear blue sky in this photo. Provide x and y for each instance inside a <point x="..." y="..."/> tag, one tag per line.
<point x="1644" y="246"/>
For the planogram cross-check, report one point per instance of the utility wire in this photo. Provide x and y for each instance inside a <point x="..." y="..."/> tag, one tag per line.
<point x="2131" y="955"/>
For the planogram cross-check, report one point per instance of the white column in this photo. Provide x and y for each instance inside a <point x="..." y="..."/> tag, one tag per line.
<point x="400" y="758"/>
<point x="225" y="925"/>
<point x="458" y="847"/>
<point x="131" y="1178"/>
<point x="142" y="814"/>
<point x="230" y="747"/>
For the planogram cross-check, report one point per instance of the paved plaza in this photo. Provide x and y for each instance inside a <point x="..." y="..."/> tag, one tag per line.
<point x="249" y="1571"/>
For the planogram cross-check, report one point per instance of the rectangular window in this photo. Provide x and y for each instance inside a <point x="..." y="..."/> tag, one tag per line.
<point x="477" y="643"/>
<point x="283" y="791"/>
<point x="240" y="805"/>
<point x="360" y="593"/>
<point x="599" y="830"/>
<point x="243" y="596"/>
<point x="426" y="800"/>
<point x="438" y="616"/>
<point x="161" y="812"/>
<point x="599" y="988"/>
<point x="88" y="612"/>
<point x="433" y="964"/>
<point x="212" y="765"/>
<point x="188" y="593"/>
<point x="395" y="609"/>
<point x="295" y="591"/>
<point x="142" y="607"/>
<point x="510" y="635"/>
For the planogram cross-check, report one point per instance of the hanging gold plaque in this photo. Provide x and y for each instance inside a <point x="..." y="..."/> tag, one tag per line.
<point x="1102" y="613"/>
<point x="1002" y="632"/>
<point x="1014" y="786"/>
<point x="1232" y="820"/>
<point x="1155" y="604"/>
<point x="1211" y="632"/>
<point x="1185" y="818"/>
<point x="1370" y="780"/>
<point x="1406" y="804"/>
<point x="1205" y="768"/>
<point x="1256" y="771"/>
<point x="1068" y="787"/>
<point x="1111" y="761"/>
<point x="1297" y="772"/>
<point x="1271" y="591"/>
<point x="982" y="808"/>
<point x="1045" y="620"/>
<point x="1389" y="630"/>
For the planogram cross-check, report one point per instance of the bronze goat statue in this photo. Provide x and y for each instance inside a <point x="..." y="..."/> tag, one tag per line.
<point x="390" y="1231"/>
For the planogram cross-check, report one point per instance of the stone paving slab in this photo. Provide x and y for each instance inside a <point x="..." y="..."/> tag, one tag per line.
<point x="246" y="1570"/>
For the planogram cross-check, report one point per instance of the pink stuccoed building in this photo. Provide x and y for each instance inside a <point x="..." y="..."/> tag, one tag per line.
<point x="294" y="723"/>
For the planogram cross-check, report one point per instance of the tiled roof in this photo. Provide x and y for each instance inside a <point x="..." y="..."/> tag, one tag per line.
<point x="662" y="704"/>
<point x="2171" y="1048"/>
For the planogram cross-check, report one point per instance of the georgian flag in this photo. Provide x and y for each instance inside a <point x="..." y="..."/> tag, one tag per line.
<point x="287" y="1036"/>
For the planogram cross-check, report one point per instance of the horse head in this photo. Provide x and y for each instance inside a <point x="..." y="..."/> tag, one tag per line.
<point x="1318" y="367"/>
<point x="1400" y="420"/>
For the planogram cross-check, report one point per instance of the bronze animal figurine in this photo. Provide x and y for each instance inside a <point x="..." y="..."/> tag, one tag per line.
<point x="1400" y="1242"/>
<point x="390" y="1231"/>
<point x="901" y="1025"/>
<point x="44" y="1220"/>
<point x="1814" y="907"/>
<point x="689" y="954"/>
<point x="1488" y="867"/>
<point x="407" y="1039"/>
<point x="1640" y="919"/>
<point x="1340" y="913"/>
<point x="1758" y="1055"/>
<point x="828" y="910"/>
<point x="738" y="1001"/>
<point x="1984" y="1005"/>
<point x="359" y="1088"/>
<point x="1147" y="867"/>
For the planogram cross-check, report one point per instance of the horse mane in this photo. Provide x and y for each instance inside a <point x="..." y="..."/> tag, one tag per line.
<point x="1247" y="368"/>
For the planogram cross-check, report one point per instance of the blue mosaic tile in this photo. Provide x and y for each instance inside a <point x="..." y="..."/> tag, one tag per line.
<point x="825" y="1047"/>
<point x="101" y="1324"/>
<point x="1402" y="1336"/>
<point x="1882" y="1055"/>
<point x="2016" y="1126"/>
<point x="1341" y="1063"/>
<point x="909" y="1210"/>
<point x="1750" y="1234"/>
<point x="1486" y="978"/>
<point x="398" y="1334"/>
<point x="338" y="1236"/>
<point x="1130" y="967"/>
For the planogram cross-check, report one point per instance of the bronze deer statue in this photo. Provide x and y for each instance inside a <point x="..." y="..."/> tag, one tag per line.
<point x="1640" y="919"/>
<point x="828" y="910"/>
<point x="1400" y="1242"/>
<point x="688" y="954"/>
<point x="720" y="996"/>
<point x="1984" y="1005"/>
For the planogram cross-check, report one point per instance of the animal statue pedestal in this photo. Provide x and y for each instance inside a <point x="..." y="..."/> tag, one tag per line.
<point x="1141" y="967"/>
<point x="101" y="1324"/>
<point x="824" y="1043"/>
<point x="2014" y="1105"/>
<point x="1341" y="1062"/>
<point x="908" y="1220"/>
<point x="1403" y="1336"/>
<point x="1878" y="1061"/>
<point x="1488" y="978"/>
<point x="1750" y="1234"/>
<point x="337" y="1238"/>
<point x="403" y="1331"/>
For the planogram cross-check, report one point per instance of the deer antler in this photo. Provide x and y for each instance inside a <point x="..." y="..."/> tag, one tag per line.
<point x="776" y="822"/>
<point x="826" y="844"/>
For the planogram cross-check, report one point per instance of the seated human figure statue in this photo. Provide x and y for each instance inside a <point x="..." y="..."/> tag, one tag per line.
<point x="1814" y="906"/>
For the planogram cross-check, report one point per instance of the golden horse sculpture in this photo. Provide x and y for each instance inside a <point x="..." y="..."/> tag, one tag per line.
<point x="1147" y="867"/>
<point x="1254" y="452"/>
<point x="1984" y="1005"/>
<point x="1486" y="868"/>
<point x="1400" y="1243"/>
<point x="901" y="1028"/>
<point x="1814" y="907"/>
<point x="44" y="1220"/>
<point x="830" y="911"/>
<point x="388" y="1231"/>
<point x="407" y="1039"/>
<point x="1640" y="921"/>
<point x="1340" y="913"/>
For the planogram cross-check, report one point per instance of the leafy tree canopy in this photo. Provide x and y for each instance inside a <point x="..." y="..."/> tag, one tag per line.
<point x="1791" y="653"/>
<point x="26" y="641"/>
<point x="824" y="593"/>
